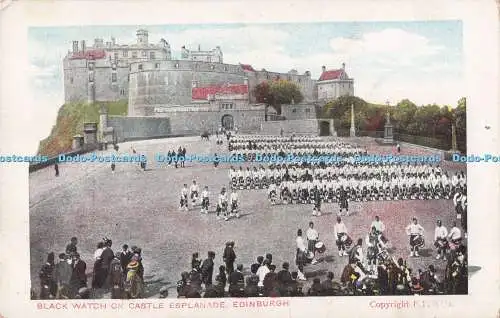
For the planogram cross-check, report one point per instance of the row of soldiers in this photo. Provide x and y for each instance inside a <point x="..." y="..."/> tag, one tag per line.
<point x="122" y="273"/>
<point x="289" y="145"/>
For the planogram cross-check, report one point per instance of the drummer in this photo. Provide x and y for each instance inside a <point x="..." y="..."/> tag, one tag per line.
<point x="339" y="231"/>
<point x="379" y="226"/>
<point x="312" y="238"/>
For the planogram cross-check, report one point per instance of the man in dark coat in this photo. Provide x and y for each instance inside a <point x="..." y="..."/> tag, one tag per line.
<point x="271" y="283"/>
<point x="116" y="277"/>
<point x="195" y="278"/>
<point x="125" y="258"/>
<point x="251" y="288"/>
<point x="71" y="247"/>
<point x="184" y="155"/>
<point x="327" y="285"/>
<point x="207" y="269"/>
<point x="79" y="277"/>
<point x="229" y="256"/>
<point x="56" y="168"/>
<point x="62" y="275"/>
<point x="316" y="289"/>
<point x="295" y="287"/>
<point x="181" y="285"/>
<point x="107" y="257"/>
<point x="284" y="278"/>
<point x="237" y="282"/>
<point x="47" y="280"/>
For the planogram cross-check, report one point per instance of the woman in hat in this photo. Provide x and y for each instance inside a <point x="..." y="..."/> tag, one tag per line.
<point x="134" y="286"/>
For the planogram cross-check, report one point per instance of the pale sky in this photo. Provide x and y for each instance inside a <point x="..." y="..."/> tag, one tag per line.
<point x="421" y="61"/>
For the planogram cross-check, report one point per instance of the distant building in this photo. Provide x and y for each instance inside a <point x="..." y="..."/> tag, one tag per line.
<point x="101" y="72"/>
<point x="334" y="83"/>
<point x="213" y="56"/>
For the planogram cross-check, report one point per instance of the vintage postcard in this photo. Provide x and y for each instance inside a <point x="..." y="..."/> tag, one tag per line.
<point x="285" y="159"/>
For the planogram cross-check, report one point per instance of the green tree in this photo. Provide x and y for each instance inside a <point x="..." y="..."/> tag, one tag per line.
<point x="278" y="93"/>
<point x="403" y="115"/>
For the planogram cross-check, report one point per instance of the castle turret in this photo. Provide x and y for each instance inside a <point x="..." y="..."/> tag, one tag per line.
<point x="75" y="46"/>
<point x="142" y="37"/>
<point x="84" y="46"/>
<point x="323" y="68"/>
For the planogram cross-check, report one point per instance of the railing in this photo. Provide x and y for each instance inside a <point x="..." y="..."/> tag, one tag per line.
<point x="37" y="166"/>
<point x="441" y="142"/>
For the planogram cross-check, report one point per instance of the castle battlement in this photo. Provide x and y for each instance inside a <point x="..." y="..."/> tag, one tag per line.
<point x="146" y="75"/>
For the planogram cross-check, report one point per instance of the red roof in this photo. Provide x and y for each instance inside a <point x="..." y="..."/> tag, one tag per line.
<point x="89" y="55"/>
<point x="331" y="75"/>
<point x="203" y="92"/>
<point x="247" y="67"/>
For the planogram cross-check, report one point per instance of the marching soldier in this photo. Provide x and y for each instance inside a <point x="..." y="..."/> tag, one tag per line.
<point x="415" y="231"/>
<point x="440" y="235"/>
<point x="339" y="230"/>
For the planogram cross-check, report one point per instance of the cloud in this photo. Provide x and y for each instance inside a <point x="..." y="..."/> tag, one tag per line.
<point x="387" y="64"/>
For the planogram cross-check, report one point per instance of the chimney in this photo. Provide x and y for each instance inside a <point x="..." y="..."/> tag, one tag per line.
<point x="75" y="46"/>
<point x="323" y="68"/>
<point x="199" y="47"/>
<point x="84" y="47"/>
<point x="343" y="66"/>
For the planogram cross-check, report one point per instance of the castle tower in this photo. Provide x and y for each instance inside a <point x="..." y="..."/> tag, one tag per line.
<point x="75" y="46"/>
<point x="142" y="37"/>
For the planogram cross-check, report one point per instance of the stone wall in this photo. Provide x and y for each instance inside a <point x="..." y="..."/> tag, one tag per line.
<point x="290" y="127"/>
<point x="298" y="111"/>
<point x="169" y="83"/>
<point x="130" y="128"/>
<point x="77" y="84"/>
<point x="196" y="122"/>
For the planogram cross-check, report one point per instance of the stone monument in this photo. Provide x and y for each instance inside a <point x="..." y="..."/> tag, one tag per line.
<point x="388" y="134"/>
<point x="352" y="132"/>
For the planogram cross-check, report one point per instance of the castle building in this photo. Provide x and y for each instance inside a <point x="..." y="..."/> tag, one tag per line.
<point x="334" y="83"/>
<point x="194" y="92"/>
<point x="213" y="56"/>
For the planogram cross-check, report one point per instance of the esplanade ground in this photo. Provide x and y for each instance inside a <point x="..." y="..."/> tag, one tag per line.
<point x="142" y="208"/>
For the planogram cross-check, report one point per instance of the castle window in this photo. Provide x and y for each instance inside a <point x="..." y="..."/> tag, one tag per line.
<point x="116" y="55"/>
<point x="113" y="77"/>
<point x="134" y="54"/>
<point x="294" y="110"/>
<point x="122" y="92"/>
<point x="125" y="53"/>
<point x="176" y="65"/>
<point x="113" y="67"/>
<point x="212" y="67"/>
<point x="91" y="76"/>
<point x="308" y="110"/>
<point x="144" y="53"/>
<point x="225" y="68"/>
<point x="151" y="55"/>
<point x="91" y="66"/>
<point x="157" y="65"/>
<point x="139" y="67"/>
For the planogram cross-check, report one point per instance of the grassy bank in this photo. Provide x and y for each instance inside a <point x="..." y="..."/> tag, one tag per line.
<point x="70" y="119"/>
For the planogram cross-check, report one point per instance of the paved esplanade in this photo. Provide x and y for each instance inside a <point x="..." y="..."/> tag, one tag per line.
<point x="141" y="208"/>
